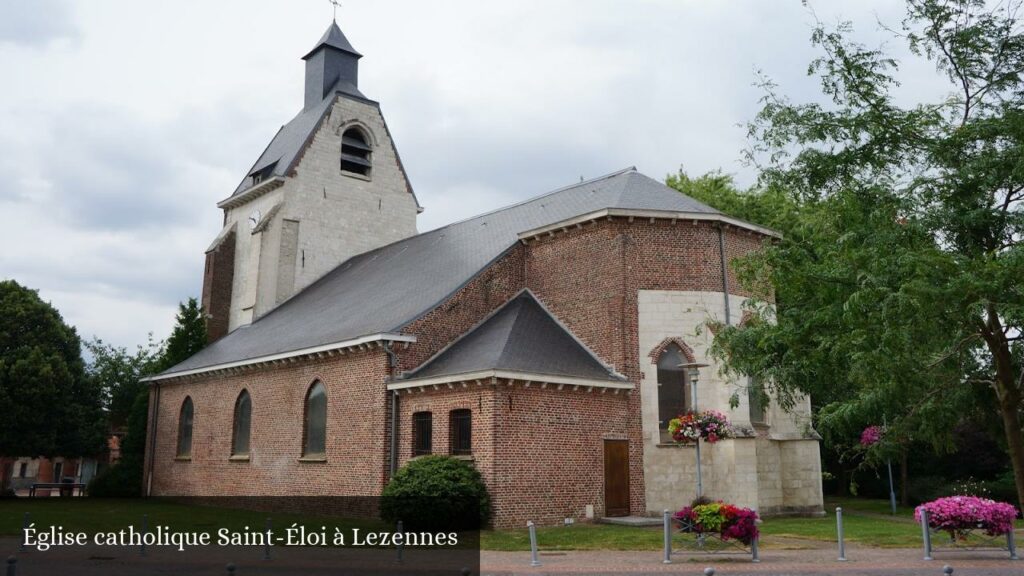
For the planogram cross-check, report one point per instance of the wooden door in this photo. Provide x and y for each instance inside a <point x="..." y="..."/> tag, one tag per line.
<point x="616" y="478"/>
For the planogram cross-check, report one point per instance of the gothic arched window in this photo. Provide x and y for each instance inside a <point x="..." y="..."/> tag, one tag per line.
<point x="185" y="428"/>
<point x="673" y="388"/>
<point x="356" y="153"/>
<point x="242" y="425"/>
<point x="314" y="438"/>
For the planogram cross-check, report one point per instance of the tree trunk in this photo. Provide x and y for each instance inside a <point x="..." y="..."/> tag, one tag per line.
<point x="1014" y="442"/>
<point x="1008" y="392"/>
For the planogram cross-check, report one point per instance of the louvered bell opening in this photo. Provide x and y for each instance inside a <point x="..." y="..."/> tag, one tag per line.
<point x="355" y="153"/>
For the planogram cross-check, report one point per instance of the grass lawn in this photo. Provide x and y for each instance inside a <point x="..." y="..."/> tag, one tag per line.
<point x="866" y="522"/>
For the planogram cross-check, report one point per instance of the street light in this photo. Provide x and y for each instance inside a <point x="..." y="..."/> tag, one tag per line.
<point x="693" y="371"/>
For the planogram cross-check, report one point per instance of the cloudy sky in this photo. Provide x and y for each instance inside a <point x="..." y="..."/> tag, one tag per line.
<point x="122" y="122"/>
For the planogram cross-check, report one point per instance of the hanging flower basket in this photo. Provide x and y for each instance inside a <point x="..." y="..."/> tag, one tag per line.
<point x="870" y="436"/>
<point x="709" y="425"/>
<point x="960" y="515"/>
<point x="719" y="519"/>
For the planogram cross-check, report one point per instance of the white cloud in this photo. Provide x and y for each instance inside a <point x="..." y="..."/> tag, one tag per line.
<point x="124" y="122"/>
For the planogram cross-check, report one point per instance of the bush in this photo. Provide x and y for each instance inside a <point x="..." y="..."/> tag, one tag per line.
<point x="437" y="493"/>
<point x="122" y="480"/>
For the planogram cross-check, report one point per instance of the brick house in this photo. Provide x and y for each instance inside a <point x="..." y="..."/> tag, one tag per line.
<point x="541" y="341"/>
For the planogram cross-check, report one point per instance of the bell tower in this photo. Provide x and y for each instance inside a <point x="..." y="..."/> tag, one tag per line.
<point x="328" y="187"/>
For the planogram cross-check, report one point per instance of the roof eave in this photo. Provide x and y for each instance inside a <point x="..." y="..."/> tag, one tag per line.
<point x="511" y="375"/>
<point x="252" y="192"/>
<point x="362" y="341"/>
<point x="563" y="225"/>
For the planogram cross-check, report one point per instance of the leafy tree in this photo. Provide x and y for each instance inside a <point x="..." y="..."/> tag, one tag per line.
<point x="188" y="336"/>
<point x="901" y="275"/>
<point x="49" y="407"/>
<point x="118" y="374"/>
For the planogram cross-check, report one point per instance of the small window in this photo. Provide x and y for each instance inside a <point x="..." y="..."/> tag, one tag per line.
<point x="185" y="429"/>
<point x="356" y="154"/>
<point x="242" y="425"/>
<point x="422" y="433"/>
<point x="755" y="396"/>
<point x="315" y="434"/>
<point x="673" y="388"/>
<point x="460" y="432"/>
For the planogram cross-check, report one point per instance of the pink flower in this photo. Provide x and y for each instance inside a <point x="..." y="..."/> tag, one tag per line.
<point x="958" y="515"/>
<point x="871" y="435"/>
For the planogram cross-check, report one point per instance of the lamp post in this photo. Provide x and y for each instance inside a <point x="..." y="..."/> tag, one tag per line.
<point x="693" y="371"/>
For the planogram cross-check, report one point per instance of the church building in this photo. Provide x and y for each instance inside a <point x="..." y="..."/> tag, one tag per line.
<point x="540" y="342"/>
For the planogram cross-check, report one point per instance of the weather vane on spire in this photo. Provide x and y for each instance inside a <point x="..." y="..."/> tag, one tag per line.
<point x="336" y="4"/>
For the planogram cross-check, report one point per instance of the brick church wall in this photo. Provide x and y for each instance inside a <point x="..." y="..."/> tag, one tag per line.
<point x="218" y="276"/>
<point x="356" y="431"/>
<point x="464" y="309"/>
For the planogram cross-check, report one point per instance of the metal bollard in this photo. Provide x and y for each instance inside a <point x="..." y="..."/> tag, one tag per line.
<point x="12" y="565"/>
<point x="266" y="545"/>
<point x="231" y="569"/>
<point x="668" y="539"/>
<point x="24" y="526"/>
<point x="947" y="569"/>
<point x="709" y="571"/>
<point x="839" y="533"/>
<point x="1011" y="545"/>
<point x="754" y="552"/>
<point x="142" y="539"/>
<point x="400" y="547"/>
<point x="926" y="533"/>
<point x="534" y="557"/>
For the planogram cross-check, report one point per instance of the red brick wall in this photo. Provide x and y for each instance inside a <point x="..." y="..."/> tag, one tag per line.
<point x="540" y="451"/>
<point x="217" y="279"/>
<point x="466" y="308"/>
<point x="356" y="431"/>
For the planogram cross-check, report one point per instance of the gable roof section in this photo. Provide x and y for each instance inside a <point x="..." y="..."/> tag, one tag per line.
<point x="382" y="291"/>
<point x="521" y="336"/>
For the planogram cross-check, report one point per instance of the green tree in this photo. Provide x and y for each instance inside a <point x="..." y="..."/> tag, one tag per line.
<point x="49" y="407"/>
<point x="902" y="273"/>
<point x="188" y="336"/>
<point x="118" y="374"/>
<point x="128" y="396"/>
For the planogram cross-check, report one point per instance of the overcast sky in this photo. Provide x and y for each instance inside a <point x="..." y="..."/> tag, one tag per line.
<point x="122" y="123"/>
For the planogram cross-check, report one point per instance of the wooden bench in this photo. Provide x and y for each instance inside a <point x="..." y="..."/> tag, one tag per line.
<point x="68" y="487"/>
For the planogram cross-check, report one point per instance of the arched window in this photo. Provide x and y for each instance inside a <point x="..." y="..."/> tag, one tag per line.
<point x="185" y="428"/>
<point x="673" y="388"/>
<point x="242" y="425"/>
<point x="356" y="153"/>
<point x="315" y="432"/>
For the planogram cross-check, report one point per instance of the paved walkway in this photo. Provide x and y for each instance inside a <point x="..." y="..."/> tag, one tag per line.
<point x="861" y="561"/>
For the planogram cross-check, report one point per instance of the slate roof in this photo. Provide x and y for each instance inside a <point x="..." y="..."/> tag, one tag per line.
<point x="334" y="38"/>
<point x="287" y="145"/>
<point x="521" y="336"/>
<point x="383" y="290"/>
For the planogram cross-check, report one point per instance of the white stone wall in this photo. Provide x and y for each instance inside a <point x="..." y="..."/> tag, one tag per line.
<point x="762" y="472"/>
<point x="340" y="215"/>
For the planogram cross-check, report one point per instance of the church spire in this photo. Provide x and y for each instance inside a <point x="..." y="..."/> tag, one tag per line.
<point x="333" y="62"/>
